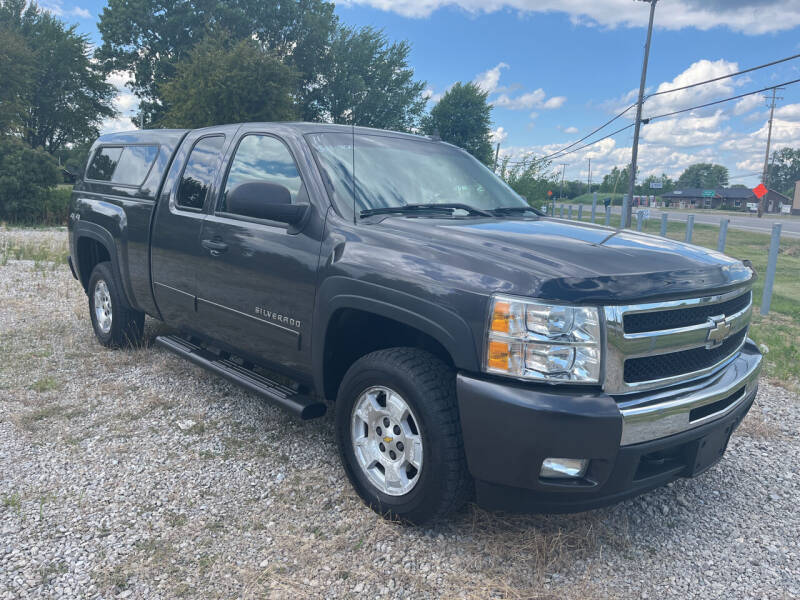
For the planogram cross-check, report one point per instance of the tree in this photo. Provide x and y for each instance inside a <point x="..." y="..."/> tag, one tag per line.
<point x="367" y="81"/>
<point x="615" y="180"/>
<point x="222" y="81"/>
<point x="16" y="75"/>
<point x="667" y="185"/>
<point x="67" y="97"/>
<point x="530" y="177"/>
<point x="27" y="176"/>
<point x="150" y="41"/>
<point x="704" y="175"/>
<point x="784" y="170"/>
<point x="464" y="117"/>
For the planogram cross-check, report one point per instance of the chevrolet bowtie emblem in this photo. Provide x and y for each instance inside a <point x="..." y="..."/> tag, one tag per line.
<point x="388" y="440"/>
<point x="718" y="331"/>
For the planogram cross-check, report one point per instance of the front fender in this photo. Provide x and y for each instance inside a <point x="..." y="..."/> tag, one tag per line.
<point x="442" y="324"/>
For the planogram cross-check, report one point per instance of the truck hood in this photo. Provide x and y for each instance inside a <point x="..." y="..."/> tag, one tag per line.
<point x="579" y="262"/>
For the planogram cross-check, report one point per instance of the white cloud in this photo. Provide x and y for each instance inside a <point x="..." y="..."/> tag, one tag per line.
<point x="489" y="80"/>
<point x="57" y="8"/>
<point x="555" y="102"/>
<point x="116" y="124"/>
<point x="81" y="12"/>
<point x="572" y="130"/>
<point x="750" y="16"/>
<point x="746" y="104"/>
<point x="788" y="111"/>
<point x="499" y="135"/>
<point x="432" y="96"/>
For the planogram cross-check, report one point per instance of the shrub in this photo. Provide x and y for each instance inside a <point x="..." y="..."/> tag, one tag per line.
<point x="28" y="178"/>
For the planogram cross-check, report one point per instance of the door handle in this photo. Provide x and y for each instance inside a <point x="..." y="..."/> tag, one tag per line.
<point x="215" y="247"/>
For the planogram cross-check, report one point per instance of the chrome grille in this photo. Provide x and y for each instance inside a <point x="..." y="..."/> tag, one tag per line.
<point x="662" y="343"/>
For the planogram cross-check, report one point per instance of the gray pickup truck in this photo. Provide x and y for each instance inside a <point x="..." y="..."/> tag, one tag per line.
<point x="470" y="346"/>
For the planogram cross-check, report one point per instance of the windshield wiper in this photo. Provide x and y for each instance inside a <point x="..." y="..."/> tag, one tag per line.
<point x="447" y="208"/>
<point x="513" y="210"/>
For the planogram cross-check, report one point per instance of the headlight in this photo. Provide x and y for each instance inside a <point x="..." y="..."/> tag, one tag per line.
<point x="543" y="341"/>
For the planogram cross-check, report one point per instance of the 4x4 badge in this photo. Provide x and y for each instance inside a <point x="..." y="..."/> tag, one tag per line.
<point x="719" y="330"/>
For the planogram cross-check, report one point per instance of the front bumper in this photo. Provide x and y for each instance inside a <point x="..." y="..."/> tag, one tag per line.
<point x="634" y="443"/>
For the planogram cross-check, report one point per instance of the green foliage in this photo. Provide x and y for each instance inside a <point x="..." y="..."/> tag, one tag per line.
<point x="73" y="157"/>
<point x="530" y="178"/>
<point x="16" y="75"/>
<point x="223" y="81"/>
<point x="784" y="170"/>
<point x="27" y="180"/>
<point x="463" y="117"/>
<point x="703" y="175"/>
<point x="616" y="181"/>
<point x="65" y="97"/>
<point x="367" y="81"/>
<point x="151" y="43"/>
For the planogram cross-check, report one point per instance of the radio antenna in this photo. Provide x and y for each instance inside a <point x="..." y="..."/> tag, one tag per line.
<point x="353" y="169"/>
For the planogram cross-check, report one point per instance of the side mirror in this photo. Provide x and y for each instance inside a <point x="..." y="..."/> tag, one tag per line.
<point x="263" y="200"/>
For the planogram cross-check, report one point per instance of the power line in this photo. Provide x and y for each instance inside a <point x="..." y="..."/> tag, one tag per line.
<point x="604" y="125"/>
<point x="707" y="81"/>
<point x="707" y="104"/>
<point x="568" y="149"/>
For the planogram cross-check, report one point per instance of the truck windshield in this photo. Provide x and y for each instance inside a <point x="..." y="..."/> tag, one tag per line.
<point x="387" y="171"/>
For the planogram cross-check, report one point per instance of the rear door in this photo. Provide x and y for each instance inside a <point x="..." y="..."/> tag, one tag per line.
<point x="256" y="291"/>
<point x="176" y="254"/>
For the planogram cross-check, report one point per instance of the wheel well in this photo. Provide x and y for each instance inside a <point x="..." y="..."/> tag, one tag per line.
<point x="355" y="333"/>
<point x="90" y="254"/>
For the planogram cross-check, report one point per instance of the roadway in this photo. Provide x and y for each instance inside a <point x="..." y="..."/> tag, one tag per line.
<point x="791" y="225"/>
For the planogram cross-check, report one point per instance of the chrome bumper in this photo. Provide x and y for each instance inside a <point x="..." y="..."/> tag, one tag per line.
<point x="661" y="413"/>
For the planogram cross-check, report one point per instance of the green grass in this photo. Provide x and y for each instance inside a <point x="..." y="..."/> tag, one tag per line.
<point x="780" y="330"/>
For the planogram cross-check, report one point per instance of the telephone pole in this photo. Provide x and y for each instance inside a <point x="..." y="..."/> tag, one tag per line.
<point x="638" y="123"/>
<point x="589" y="178"/>
<point x="496" y="156"/>
<point x="765" y="174"/>
<point x="563" y="172"/>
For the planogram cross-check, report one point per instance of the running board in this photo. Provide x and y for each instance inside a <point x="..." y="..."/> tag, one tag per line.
<point x="278" y="394"/>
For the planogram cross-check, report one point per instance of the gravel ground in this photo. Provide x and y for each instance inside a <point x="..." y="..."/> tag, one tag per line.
<point x="132" y="474"/>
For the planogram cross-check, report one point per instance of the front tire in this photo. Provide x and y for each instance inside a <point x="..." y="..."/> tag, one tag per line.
<point x="115" y="324"/>
<point x="399" y="435"/>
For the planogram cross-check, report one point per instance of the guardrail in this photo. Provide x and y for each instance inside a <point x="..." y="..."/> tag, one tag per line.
<point x="641" y="216"/>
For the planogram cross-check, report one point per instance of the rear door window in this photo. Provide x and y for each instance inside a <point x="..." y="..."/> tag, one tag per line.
<point x="104" y="163"/>
<point x="201" y="168"/>
<point x="134" y="165"/>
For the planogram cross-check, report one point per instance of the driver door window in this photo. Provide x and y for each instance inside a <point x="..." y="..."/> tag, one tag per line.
<point x="263" y="158"/>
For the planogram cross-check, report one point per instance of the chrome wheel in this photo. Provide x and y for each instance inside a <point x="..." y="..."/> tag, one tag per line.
<point x="102" y="306"/>
<point x="387" y="441"/>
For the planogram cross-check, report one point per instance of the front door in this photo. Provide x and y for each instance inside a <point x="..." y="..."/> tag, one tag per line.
<point x="256" y="293"/>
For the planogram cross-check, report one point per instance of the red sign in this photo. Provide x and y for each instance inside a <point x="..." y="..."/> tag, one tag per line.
<point x="549" y="193"/>
<point x="760" y="191"/>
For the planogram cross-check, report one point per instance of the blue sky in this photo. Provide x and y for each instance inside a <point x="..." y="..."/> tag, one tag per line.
<point x="556" y="69"/>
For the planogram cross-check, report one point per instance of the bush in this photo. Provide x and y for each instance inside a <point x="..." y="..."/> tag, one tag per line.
<point x="28" y="178"/>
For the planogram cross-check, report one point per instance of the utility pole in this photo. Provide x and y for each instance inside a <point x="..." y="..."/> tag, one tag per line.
<point x="563" y="172"/>
<point x="589" y="178"/>
<point x="765" y="175"/>
<point x="638" y="123"/>
<point x="496" y="156"/>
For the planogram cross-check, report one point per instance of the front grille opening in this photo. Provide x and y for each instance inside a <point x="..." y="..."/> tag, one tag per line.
<point x="673" y="364"/>
<point x="683" y="317"/>
<point x="702" y="412"/>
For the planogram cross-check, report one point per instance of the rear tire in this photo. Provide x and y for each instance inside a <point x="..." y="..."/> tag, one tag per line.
<point x="414" y="468"/>
<point x="115" y="324"/>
